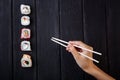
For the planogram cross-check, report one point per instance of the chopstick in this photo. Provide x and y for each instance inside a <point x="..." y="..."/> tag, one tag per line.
<point x="58" y="41"/>
<point x="77" y="46"/>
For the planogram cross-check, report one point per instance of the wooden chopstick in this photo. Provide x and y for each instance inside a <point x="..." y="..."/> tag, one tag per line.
<point x="77" y="46"/>
<point x="56" y="41"/>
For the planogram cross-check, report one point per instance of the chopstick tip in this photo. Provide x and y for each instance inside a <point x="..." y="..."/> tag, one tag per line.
<point x="100" y="53"/>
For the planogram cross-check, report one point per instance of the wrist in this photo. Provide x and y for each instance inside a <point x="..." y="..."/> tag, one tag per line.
<point x="90" y="69"/>
<point x="98" y="73"/>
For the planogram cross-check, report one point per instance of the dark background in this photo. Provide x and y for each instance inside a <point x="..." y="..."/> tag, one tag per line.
<point x="95" y="22"/>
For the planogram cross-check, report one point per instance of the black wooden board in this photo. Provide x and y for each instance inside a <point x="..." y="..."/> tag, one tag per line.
<point x="113" y="27"/>
<point x="47" y="51"/>
<point x="71" y="28"/>
<point x="95" y="22"/>
<point x="94" y="19"/>
<point x="19" y="72"/>
<point x="5" y="40"/>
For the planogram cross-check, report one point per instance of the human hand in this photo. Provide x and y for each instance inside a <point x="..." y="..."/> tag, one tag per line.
<point x="86" y="64"/>
<point x="83" y="62"/>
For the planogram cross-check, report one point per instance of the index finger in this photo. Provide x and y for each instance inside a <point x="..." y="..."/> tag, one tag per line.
<point x="80" y="43"/>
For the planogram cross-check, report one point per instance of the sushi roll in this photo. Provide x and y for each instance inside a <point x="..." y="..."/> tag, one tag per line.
<point x="25" y="46"/>
<point x="25" y="33"/>
<point x="25" y="9"/>
<point x="26" y="61"/>
<point x="25" y="20"/>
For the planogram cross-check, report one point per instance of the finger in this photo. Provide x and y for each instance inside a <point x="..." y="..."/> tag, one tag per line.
<point x="80" y="43"/>
<point x="68" y="47"/>
<point x="73" y="51"/>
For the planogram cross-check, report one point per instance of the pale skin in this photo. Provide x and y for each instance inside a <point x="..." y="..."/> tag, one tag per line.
<point x="86" y="64"/>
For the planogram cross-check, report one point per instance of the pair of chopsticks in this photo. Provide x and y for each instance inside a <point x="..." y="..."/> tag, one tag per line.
<point x="60" y="42"/>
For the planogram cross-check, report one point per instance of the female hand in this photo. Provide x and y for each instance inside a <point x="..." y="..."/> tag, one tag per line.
<point x="83" y="62"/>
<point x="86" y="64"/>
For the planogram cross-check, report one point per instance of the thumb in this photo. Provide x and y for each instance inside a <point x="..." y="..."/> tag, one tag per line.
<point x="73" y="51"/>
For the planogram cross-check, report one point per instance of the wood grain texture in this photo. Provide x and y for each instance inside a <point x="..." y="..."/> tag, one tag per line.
<point x="47" y="51"/>
<point x="95" y="22"/>
<point x="19" y="72"/>
<point x="113" y="30"/>
<point x="71" y="28"/>
<point x="94" y="19"/>
<point x="5" y="40"/>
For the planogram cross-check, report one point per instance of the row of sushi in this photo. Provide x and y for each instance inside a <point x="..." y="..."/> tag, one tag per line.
<point x="26" y="35"/>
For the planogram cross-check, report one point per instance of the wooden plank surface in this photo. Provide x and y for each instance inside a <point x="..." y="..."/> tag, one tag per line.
<point x="95" y="22"/>
<point x="47" y="51"/>
<point x="21" y="73"/>
<point x="113" y="26"/>
<point x="71" y="28"/>
<point x="94" y="19"/>
<point x="5" y="40"/>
